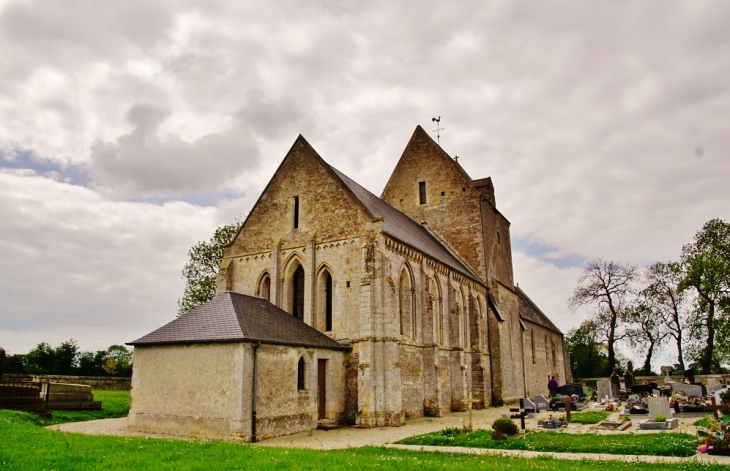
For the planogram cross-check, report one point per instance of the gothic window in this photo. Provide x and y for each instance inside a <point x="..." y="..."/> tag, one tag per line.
<point x="405" y="298"/>
<point x="422" y="192"/>
<point x="324" y="302"/>
<point x="297" y="290"/>
<point x="300" y="374"/>
<point x="461" y="312"/>
<point x="547" y="353"/>
<point x="554" y="358"/>
<point x="296" y="212"/>
<point x="532" y="344"/>
<point x="264" y="290"/>
<point x="438" y="312"/>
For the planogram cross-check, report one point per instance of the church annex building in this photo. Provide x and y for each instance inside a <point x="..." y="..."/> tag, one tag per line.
<point x="335" y="306"/>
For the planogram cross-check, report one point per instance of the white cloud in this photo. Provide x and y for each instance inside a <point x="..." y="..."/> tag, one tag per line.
<point x="74" y="264"/>
<point x="604" y="126"/>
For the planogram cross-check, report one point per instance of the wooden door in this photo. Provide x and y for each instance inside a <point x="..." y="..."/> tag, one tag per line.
<point x="321" y="387"/>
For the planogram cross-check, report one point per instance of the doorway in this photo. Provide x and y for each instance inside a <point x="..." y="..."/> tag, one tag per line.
<point x="321" y="387"/>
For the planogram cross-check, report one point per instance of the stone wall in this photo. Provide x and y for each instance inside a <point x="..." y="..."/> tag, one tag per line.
<point x="205" y="390"/>
<point x="191" y="390"/>
<point x="104" y="383"/>
<point x="539" y="364"/>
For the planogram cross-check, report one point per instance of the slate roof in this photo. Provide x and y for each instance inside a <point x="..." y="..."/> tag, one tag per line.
<point x="234" y="317"/>
<point x="403" y="228"/>
<point x="530" y="312"/>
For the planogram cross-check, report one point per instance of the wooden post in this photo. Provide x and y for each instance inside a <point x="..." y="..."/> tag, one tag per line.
<point x="567" y="408"/>
<point x="468" y="405"/>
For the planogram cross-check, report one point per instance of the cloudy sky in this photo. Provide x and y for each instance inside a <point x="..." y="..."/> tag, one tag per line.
<point x="130" y="130"/>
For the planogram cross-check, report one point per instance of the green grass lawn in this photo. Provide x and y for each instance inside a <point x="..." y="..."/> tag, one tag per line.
<point x="113" y="404"/>
<point x="589" y="417"/>
<point x="657" y="444"/>
<point x="26" y="446"/>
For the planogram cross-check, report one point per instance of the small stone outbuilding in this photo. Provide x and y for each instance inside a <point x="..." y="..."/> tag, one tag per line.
<point x="196" y="376"/>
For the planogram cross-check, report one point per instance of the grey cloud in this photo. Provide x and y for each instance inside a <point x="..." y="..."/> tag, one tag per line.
<point x="144" y="162"/>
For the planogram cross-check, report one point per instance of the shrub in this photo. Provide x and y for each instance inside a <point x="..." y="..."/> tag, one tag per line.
<point x="660" y="418"/>
<point x="505" y="426"/>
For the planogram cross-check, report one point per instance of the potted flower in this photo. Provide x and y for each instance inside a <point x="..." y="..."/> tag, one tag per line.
<point x="675" y="401"/>
<point x="718" y="439"/>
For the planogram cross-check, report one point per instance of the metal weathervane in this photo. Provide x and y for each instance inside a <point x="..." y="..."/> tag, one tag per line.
<point x="438" y="129"/>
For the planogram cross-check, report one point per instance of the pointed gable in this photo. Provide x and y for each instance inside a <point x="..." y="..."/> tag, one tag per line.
<point x="305" y="188"/>
<point x="429" y="186"/>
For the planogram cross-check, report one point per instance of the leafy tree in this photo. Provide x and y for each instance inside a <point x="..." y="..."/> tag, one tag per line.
<point x="118" y="361"/>
<point x="668" y="302"/>
<point x="607" y="286"/>
<point x="15" y="364"/>
<point x="66" y="358"/>
<point x="587" y="353"/>
<point x="41" y="359"/>
<point x="201" y="271"/>
<point x="706" y="264"/>
<point x="647" y="330"/>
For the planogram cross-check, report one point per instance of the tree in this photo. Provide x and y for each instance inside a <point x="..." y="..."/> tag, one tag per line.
<point x="201" y="271"/>
<point x="118" y="361"/>
<point x="66" y="358"/>
<point x="41" y="359"/>
<point x="706" y="264"/>
<point x="647" y="330"/>
<point x="587" y="354"/>
<point x="670" y="304"/>
<point x="607" y="285"/>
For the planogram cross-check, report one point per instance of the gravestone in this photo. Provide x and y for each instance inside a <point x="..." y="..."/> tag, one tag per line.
<point x="541" y="402"/>
<point x="629" y="376"/>
<point x="656" y="392"/>
<point x="604" y="389"/>
<point x="667" y="370"/>
<point x="659" y="406"/>
<point x="615" y="380"/>
<point x="615" y="391"/>
<point x="571" y="389"/>
<point x="528" y="407"/>
<point x="687" y="389"/>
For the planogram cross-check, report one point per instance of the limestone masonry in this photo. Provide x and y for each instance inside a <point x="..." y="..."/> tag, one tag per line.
<point x="414" y="290"/>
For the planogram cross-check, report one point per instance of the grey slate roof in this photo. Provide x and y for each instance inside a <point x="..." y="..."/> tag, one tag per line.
<point x="403" y="228"/>
<point x="234" y="317"/>
<point x="530" y="312"/>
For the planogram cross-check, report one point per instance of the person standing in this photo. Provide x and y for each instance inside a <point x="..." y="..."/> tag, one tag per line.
<point x="552" y="385"/>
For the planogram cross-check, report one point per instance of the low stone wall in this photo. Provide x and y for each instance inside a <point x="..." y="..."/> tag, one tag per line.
<point x="104" y="383"/>
<point x="719" y="379"/>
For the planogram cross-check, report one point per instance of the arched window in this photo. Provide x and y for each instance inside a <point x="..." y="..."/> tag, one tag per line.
<point x="438" y="312"/>
<point x="532" y="343"/>
<point x="328" y="303"/>
<point x="297" y="289"/>
<point x="300" y="374"/>
<point x="462" y="319"/>
<point x="264" y="290"/>
<point x="324" y="303"/>
<point x="405" y="298"/>
<point x="552" y="342"/>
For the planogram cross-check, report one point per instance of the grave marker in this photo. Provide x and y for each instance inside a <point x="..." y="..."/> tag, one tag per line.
<point x="542" y="402"/>
<point x="659" y="406"/>
<point x="604" y="389"/>
<point x="687" y="389"/>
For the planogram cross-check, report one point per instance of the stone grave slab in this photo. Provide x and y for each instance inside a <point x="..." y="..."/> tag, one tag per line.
<point x="542" y="402"/>
<point x="604" y="389"/>
<point x="659" y="406"/>
<point x="687" y="389"/>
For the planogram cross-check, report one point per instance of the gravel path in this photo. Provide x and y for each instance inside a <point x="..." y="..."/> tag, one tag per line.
<point x="348" y="437"/>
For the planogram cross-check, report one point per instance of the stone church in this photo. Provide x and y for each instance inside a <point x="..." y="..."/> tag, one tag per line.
<point x="335" y="306"/>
